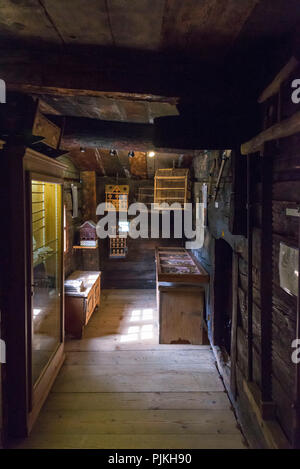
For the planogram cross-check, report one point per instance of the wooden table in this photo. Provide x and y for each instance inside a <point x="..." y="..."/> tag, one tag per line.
<point x="180" y="297"/>
<point x="80" y="305"/>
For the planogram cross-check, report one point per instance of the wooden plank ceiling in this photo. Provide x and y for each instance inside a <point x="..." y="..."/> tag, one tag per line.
<point x="137" y="24"/>
<point x="141" y="166"/>
<point x="132" y="61"/>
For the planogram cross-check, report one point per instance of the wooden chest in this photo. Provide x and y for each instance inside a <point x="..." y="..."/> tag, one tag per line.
<point x="180" y="297"/>
<point x="80" y="305"/>
<point x="181" y="314"/>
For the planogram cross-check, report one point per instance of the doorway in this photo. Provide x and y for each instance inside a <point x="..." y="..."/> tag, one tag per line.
<point x="222" y="295"/>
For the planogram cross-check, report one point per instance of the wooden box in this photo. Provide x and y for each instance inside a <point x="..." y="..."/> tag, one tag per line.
<point x="180" y="297"/>
<point x="181" y="314"/>
<point x="171" y="186"/>
<point x="88" y="234"/>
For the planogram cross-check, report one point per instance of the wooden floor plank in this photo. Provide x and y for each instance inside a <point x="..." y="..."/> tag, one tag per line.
<point x="168" y="441"/>
<point x="72" y="381"/>
<point x="136" y="401"/>
<point x="114" y="368"/>
<point x="119" y="388"/>
<point x="137" y="421"/>
<point x="100" y="344"/>
<point x="146" y="357"/>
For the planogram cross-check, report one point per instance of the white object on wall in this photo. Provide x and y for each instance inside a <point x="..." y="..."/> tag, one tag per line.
<point x="74" y="190"/>
<point x="288" y="269"/>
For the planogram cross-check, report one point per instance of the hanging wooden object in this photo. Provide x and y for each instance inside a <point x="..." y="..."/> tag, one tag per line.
<point x="45" y="128"/>
<point x="118" y="246"/>
<point x="171" y="186"/>
<point x="116" y="195"/>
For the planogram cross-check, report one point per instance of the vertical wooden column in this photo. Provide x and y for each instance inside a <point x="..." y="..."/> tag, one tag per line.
<point x="266" y="276"/>
<point x="296" y="409"/>
<point x="89" y="197"/>
<point x="15" y="290"/>
<point x="234" y="319"/>
<point x="250" y="283"/>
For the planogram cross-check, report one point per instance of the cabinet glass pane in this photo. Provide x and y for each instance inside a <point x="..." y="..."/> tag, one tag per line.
<point x="46" y="252"/>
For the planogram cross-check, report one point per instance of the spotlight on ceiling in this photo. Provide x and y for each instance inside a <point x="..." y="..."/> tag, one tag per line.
<point x="131" y="154"/>
<point x="151" y="154"/>
<point x="112" y="152"/>
<point x="82" y="150"/>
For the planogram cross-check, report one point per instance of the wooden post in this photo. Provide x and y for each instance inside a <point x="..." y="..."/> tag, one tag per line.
<point x="14" y="282"/>
<point x="250" y="283"/>
<point x="266" y="275"/>
<point x="89" y="198"/>
<point x="296" y="406"/>
<point x="233" y="348"/>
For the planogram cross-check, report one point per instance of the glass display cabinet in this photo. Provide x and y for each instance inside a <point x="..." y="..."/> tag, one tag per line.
<point x="33" y="306"/>
<point x="44" y="231"/>
<point x="46" y="290"/>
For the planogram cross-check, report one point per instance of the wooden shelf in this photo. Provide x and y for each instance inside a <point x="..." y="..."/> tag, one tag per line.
<point x="85" y="247"/>
<point x="171" y="185"/>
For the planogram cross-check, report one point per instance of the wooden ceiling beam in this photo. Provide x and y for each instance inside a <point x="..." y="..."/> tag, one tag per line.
<point x="167" y="135"/>
<point x="92" y="133"/>
<point x="137" y="77"/>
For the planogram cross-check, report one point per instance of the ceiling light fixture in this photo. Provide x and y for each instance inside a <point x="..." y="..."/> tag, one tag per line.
<point x="131" y="154"/>
<point x="112" y="152"/>
<point x="151" y="154"/>
<point x="82" y="150"/>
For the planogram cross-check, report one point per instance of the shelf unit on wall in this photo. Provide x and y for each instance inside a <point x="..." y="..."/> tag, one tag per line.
<point x="171" y="186"/>
<point x="118" y="246"/>
<point x="85" y="247"/>
<point x="116" y="195"/>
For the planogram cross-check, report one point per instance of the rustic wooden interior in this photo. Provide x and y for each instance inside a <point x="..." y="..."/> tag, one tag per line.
<point x="147" y="343"/>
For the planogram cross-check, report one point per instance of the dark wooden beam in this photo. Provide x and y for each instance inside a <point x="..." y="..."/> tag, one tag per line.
<point x="90" y="133"/>
<point x="147" y="76"/>
<point x="282" y="129"/>
<point x="165" y="135"/>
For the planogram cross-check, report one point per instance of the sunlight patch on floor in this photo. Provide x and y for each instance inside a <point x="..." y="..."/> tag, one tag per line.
<point x="139" y="331"/>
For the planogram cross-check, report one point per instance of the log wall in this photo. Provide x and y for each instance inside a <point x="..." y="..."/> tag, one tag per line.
<point x="283" y="179"/>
